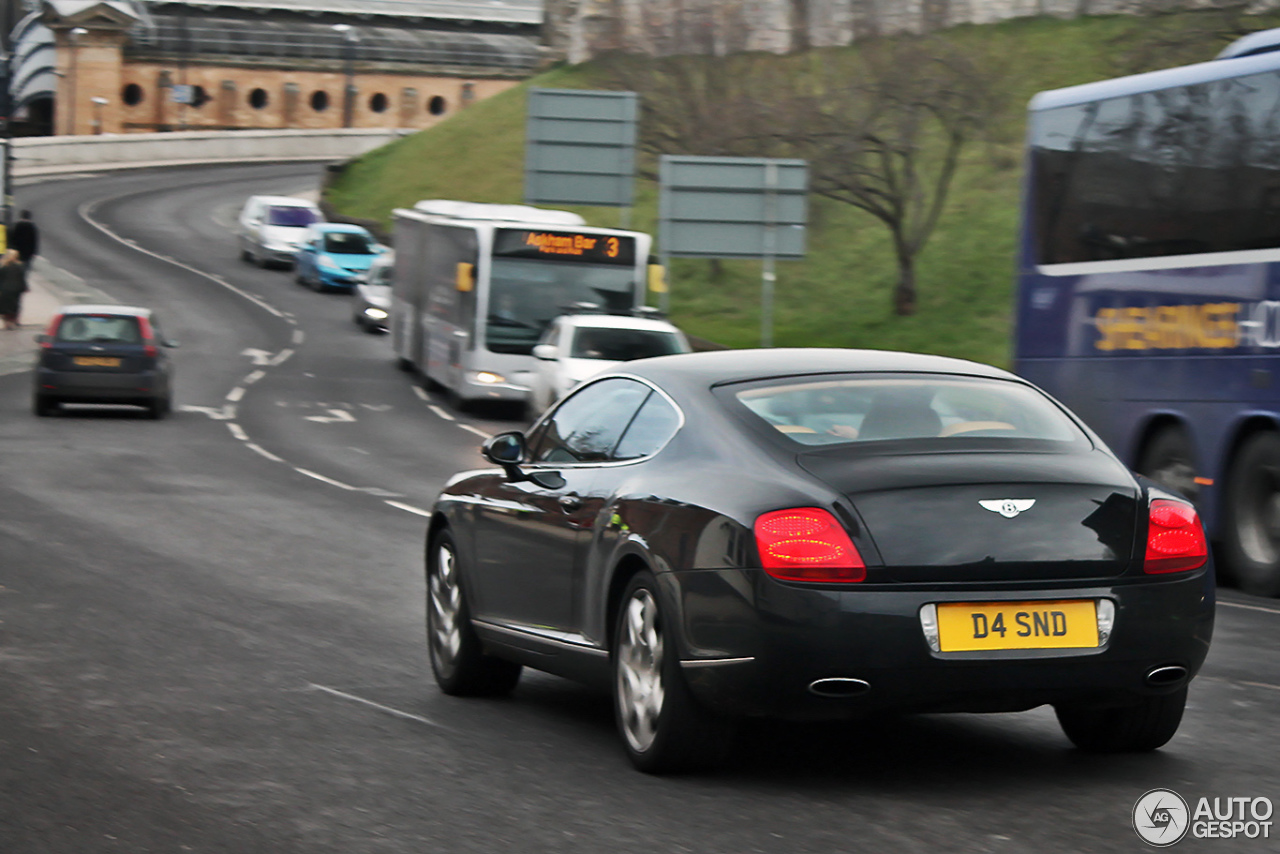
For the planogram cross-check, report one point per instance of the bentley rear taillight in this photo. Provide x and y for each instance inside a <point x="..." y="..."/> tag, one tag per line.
<point x="807" y="544"/>
<point x="1175" y="538"/>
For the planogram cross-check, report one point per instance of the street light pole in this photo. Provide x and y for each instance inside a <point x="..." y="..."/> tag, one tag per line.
<point x="98" y="104"/>
<point x="349" y="38"/>
<point x="6" y="177"/>
<point x="74" y="37"/>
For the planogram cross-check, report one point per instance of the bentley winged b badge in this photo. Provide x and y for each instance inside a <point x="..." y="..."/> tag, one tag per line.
<point x="1008" y="507"/>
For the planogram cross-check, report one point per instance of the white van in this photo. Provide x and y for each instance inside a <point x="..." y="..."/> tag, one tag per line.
<point x="272" y="228"/>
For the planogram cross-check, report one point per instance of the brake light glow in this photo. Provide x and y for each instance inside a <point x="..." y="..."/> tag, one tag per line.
<point x="1175" y="538"/>
<point x="807" y="544"/>
<point x="50" y="332"/>
<point x="145" y="326"/>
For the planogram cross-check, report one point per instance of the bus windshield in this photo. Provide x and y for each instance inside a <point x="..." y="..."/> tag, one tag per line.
<point x="526" y="294"/>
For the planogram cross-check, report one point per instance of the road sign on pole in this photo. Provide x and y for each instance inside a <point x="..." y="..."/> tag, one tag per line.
<point x="734" y="207"/>
<point x="580" y="147"/>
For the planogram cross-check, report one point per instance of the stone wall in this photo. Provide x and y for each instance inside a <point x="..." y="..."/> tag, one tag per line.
<point x="581" y="29"/>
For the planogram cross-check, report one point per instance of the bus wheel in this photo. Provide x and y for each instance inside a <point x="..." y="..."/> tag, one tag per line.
<point x="1169" y="460"/>
<point x="1252" y="526"/>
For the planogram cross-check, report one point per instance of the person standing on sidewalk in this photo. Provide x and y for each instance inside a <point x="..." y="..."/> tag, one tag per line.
<point x="25" y="237"/>
<point x="13" y="284"/>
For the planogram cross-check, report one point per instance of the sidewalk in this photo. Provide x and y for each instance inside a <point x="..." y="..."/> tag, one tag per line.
<point x="48" y="288"/>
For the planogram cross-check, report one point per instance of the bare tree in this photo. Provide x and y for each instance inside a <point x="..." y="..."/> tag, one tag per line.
<point x="882" y="129"/>
<point x="885" y="133"/>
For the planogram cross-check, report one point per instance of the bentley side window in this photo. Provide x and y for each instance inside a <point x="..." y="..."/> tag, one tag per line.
<point x="651" y="429"/>
<point x="587" y="426"/>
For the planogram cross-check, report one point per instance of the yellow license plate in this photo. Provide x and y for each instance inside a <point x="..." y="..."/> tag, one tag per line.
<point x="969" y="626"/>
<point x="97" y="361"/>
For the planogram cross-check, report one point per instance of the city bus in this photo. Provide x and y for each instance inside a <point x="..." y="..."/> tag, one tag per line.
<point x="1148" y="293"/>
<point x="475" y="286"/>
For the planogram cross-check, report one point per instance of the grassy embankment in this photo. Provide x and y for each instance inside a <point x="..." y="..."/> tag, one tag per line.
<point x="840" y="294"/>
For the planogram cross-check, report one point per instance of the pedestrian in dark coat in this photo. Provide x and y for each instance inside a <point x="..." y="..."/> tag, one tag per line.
<point x="13" y="284"/>
<point x="25" y="237"/>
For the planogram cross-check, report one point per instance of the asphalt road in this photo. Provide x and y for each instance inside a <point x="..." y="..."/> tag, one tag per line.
<point x="211" y="627"/>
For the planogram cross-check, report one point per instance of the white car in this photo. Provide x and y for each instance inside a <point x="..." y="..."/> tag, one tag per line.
<point x="578" y="346"/>
<point x="371" y="301"/>
<point x="271" y="228"/>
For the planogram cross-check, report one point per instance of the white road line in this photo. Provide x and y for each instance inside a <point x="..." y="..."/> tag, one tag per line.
<point x="298" y="337"/>
<point x="476" y="430"/>
<point x="86" y="213"/>
<point x="409" y="508"/>
<point x="237" y="431"/>
<point x="1249" y="607"/>
<point x="1262" y="685"/>
<point x="253" y="377"/>
<point x="388" y="709"/>
<point x="258" y="449"/>
<point x="281" y="357"/>
<point x="235" y="394"/>
<point x="438" y="411"/>
<point x="324" y="479"/>
<point x="422" y="395"/>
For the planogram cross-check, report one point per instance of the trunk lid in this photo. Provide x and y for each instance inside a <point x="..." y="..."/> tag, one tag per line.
<point x="989" y="516"/>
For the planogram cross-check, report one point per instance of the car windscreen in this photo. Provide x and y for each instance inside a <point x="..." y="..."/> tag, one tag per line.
<point x="291" y="216"/>
<point x="99" y="329"/>
<point x="345" y="243"/>
<point x="942" y="410"/>
<point x="623" y="345"/>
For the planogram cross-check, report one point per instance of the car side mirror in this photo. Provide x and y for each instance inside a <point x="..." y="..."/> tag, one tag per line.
<point x="546" y="352"/>
<point x="509" y="451"/>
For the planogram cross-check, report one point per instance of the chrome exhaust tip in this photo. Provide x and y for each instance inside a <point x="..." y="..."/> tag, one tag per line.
<point x="839" y="687"/>
<point x="1167" y="676"/>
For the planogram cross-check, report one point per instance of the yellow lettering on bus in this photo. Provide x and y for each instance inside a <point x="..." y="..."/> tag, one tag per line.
<point x="1209" y="326"/>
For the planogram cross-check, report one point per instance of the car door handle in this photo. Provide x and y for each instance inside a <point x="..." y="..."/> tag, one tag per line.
<point x="570" y="502"/>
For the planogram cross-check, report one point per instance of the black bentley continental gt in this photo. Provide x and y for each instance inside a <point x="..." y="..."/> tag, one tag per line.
<point x="818" y="534"/>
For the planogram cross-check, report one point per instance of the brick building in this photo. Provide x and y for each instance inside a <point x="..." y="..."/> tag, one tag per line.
<point x="118" y="66"/>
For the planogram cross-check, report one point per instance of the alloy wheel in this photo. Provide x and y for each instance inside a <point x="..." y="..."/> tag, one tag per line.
<point x="639" y="672"/>
<point x="445" y="603"/>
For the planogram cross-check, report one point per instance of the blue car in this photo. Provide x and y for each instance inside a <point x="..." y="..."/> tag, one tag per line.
<point x="335" y="256"/>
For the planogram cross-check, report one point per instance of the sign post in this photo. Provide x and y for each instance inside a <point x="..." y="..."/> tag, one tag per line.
<point x="734" y="207"/>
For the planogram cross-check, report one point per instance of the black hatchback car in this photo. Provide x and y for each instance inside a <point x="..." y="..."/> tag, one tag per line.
<point x="104" y="354"/>
<point x="817" y="534"/>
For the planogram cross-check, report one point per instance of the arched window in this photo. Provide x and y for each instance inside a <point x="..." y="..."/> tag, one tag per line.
<point x="436" y="106"/>
<point x="133" y="95"/>
<point x="258" y="98"/>
<point x="319" y="100"/>
<point x="378" y="103"/>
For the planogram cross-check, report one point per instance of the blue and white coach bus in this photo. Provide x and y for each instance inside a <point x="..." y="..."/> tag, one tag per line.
<point x="475" y="285"/>
<point x="1148" y="294"/>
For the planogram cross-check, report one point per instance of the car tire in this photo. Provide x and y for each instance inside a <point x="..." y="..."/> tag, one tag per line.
<point x="1169" y="460"/>
<point x="159" y="407"/>
<point x="43" y="405"/>
<point x="1137" y="728"/>
<point x="1251" y="523"/>
<point x="457" y="659"/>
<point x="245" y="256"/>
<point x="663" y="727"/>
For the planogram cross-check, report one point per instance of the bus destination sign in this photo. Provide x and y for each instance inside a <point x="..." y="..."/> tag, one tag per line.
<point x="565" y="246"/>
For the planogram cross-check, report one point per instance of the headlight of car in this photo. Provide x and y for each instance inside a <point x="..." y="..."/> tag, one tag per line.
<point x="375" y="313"/>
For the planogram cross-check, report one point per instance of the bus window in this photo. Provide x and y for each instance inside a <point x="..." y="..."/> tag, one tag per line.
<point x="525" y="295"/>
